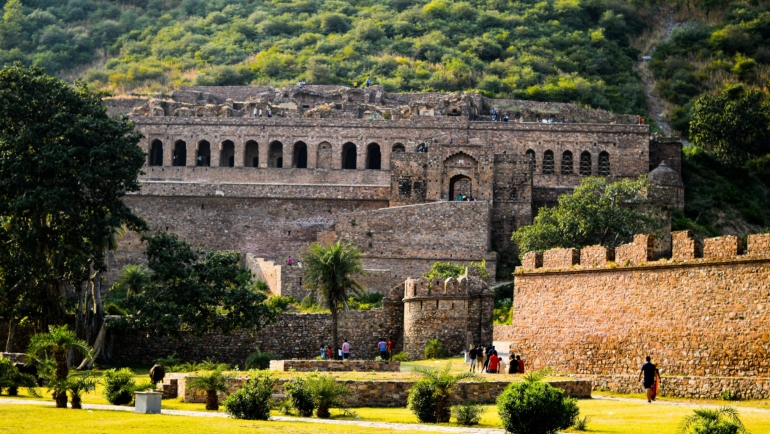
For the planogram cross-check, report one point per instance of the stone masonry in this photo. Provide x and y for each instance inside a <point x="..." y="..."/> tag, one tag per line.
<point x="334" y="366"/>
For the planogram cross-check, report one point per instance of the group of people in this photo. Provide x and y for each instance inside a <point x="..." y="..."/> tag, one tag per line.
<point x="386" y="350"/>
<point x="486" y="359"/>
<point x="464" y="198"/>
<point x="258" y="112"/>
<point x="423" y="148"/>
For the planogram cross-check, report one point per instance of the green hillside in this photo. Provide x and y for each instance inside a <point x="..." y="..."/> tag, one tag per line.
<point x="556" y="50"/>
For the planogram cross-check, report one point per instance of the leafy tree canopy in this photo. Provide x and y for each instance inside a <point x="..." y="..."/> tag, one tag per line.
<point x="194" y="290"/>
<point x="64" y="167"/>
<point x="597" y="212"/>
<point x="556" y="50"/>
<point x="734" y="125"/>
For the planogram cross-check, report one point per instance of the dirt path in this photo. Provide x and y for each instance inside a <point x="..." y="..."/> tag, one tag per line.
<point x="675" y="403"/>
<point x="654" y="103"/>
<point x="365" y="424"/>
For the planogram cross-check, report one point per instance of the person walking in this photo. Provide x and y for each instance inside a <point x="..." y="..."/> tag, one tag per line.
<point x="651" y="375"/>
<point x="323" y="352"/>
<point x="513" y="365"/>
<point x="329" y="352"/>
<point x="472" y="358"/>
<point x="345" y="350"/>
<point x="520" y="364"/>
<point x="479" y="357"/>
<point x="494" y="363"/>
<point x="383" y="347"/>
<point x="289" y="261"/>
<point x="391" y="348"/>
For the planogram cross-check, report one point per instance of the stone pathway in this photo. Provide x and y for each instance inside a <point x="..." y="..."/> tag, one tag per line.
<point x="357" y="423"/>
<point x="677" y="403"/>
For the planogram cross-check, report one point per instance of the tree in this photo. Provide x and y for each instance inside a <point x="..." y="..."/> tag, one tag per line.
<point x="597" y="212"/>
<point x="11" y="26"/>
<point x="441" y="385"/>
<point x="329" y="273"/>
<point x="734" y="124"/>
<point x="133" y="278"/>
<point x="211" y="383"/>
<point x="723" y="420"/>
<point x="11" y="378"/>
<point x="66" y="166"/>
<point x="56" y="344"/>
<point x="194" y="290"/>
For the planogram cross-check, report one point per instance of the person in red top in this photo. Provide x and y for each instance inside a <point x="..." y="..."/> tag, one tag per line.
<point x="391" y="347"/>
<point x="494" y="363"/>
<point x="521" y="364"/>
<point x="329" y="353"/>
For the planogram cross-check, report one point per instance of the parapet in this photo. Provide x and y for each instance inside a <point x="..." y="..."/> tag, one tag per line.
<point x="640" y="252"/>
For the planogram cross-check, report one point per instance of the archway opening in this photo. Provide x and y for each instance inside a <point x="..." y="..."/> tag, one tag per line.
<point x="349" y="156"/>
<point x="398" y="147"/>
<point x="275" y="155"/>
<point x="604" y="164"/>
<point x="373" y="157"/>
<point x="548" y="163"/>
<point x="251" y="154"/>
<point x="227" y="155"/>
<point x="300" y="155"/>
<point x="585" y="164"/>
<point x="324" y="156"/>
<point x="156" y="153"/>
<point x="204" y="154"/>
<point x="566" y="163"/>
<point x="460" y="187"/>
<point x="180" y="153"/>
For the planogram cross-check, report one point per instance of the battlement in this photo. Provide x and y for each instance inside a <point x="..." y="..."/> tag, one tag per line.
<point x="640" y="253"/>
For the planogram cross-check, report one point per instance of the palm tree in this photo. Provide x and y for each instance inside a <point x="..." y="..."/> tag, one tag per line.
<point x="443" y="384"/>
<point x="713" y="420"/>
<point x="328" y="273"/>
<point x="211" y="383"/>
<point x="57" y="343"/>
<point x="134" y="278"/>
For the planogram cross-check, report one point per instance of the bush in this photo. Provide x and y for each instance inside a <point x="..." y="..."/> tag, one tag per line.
<point x="581" y="424"/>
<point x="119" y="386"/>
<point x="467" y="413"/>
<point x="114" y="309"/>
<point x="327" y="393"/>
<point x="728" y="395"/>
<point x="421" y="402"/>
<point x="281" y="303"/>
<point x="536" y="408"/>
<point x="252" y="401"/>
<point x="11" y="378"/>
<point x="168" y="361"/>
<point x="434" y="349"/>
<point x="401" y="357"/>
<point x="260" y="360"/>
<point x="299" y="396"/>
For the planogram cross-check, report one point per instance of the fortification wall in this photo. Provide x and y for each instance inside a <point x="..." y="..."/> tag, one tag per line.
<point x="294" y="335"/>
<point x="701" y="317"/>
<point x="258" y="175"/>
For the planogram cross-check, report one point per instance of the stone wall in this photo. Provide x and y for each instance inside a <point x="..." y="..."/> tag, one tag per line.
<point x="292" y="336"/>
<point x="698" y="387"/>
<point x="697" y="317"/>
<point x="334" y="366"/>
<point x="394" y="393"/>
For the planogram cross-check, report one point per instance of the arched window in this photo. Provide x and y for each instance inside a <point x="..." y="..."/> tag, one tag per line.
<point x="585" y="164"/>
<point x="604" y="164"/>
<point x="349" y="156"/>
<point x="275" y="155"/>
<point x="398" y="147"/>
<point x="180" y="153"/>
<point x="204" y="154"/>
<point x="460" y="186"/>
<point x="227" y="155"/>
<point x="548" y="163"/>
<point x="156" y="153"/>
<point x="251" y="154"/>
<point x="300" y="155"/>
<point x="373" y="157"/>
<point x="566" y="163"/>
<point x="324" y="156"/>
<point x="530" y="155"/>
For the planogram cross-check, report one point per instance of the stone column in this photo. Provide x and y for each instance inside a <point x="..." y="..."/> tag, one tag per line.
<point x="216" y="152"/>
<point x="264" y="146"/>
<point x="168" y="152"/>
<point x="192" y="153"/>
<point x="288" y="155"/>
<point x="361" y="151"/>
<point x="336" y="155"/>
<point x="312" y="155"/>
<point x="240" y="153"/>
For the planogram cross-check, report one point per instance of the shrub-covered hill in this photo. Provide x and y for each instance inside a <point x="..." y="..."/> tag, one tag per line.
<point x="553" y="50"/>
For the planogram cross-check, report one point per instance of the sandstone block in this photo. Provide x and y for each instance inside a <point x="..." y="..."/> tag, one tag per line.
<point x="596" y="256"/>
<point x="726" y="247"/>
<point x="532" y="260"/>
<point x="561" y="258"/>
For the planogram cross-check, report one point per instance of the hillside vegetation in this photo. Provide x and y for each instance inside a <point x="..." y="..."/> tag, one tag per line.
<point x="556" y="50"/>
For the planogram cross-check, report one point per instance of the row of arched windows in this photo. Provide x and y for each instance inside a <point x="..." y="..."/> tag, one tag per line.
<point x="584" y="167"/>
<point x="275" y="157"/>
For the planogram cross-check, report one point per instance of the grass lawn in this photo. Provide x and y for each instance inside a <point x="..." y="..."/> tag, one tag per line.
<point x="45" y="420"/>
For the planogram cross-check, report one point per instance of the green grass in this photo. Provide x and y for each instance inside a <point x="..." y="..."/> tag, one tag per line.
<point x="45" y="420"/>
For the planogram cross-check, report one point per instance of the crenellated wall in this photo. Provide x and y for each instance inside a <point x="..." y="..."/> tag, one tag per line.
<point x="697" y="315"/>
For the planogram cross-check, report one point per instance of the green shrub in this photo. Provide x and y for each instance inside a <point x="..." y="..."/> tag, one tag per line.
<point x="728" y="395"/>
<point x="536" y="408"/>
<point x="260" y="359"/>
<point x="723" y="420"/>
<point x="467" y="413"/>
<point x="421" y="402"/>
<point x="581" y="424"/>
<point x="168" y="361"/>
<point x="114" y="309"/>
<point x="12" y="379"/>
<point x="434" y="349"/>
<point x="119" y="386"/>
<point x="401" y="357"/>
<point x="300" y="396"/>
<point x="252" y="401"/>
<point x="327" y="393"/>
<point x="281" y="303"/>
<point x="445" y="270"/>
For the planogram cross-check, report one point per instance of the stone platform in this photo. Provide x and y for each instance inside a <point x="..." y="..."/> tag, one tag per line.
<point x="334" y="366"/>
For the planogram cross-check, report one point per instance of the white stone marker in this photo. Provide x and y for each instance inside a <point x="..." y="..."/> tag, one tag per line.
<point x="147" y="402"/>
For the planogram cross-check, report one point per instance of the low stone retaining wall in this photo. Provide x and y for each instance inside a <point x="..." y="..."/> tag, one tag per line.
<point x="394" y="393"/>
<point x="334" y="366"/>
<point x="687" y="386"/>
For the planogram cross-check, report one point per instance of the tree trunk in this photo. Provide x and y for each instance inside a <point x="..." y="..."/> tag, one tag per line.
<point x="11" y="332"/>
<point x="76" y="402"/>
<point x="323" y="412"/>
<point x="335" y="335"/>
<point x="98" y="346"/>
<point x="212" y="401"/>
<point x="442" y="410"/>
<point x="62" y="371"/>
